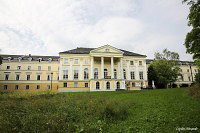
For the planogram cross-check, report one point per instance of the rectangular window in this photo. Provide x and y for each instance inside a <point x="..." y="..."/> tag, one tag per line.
<point x="18" y="67"/>
<point x="132" y="75"/>
<point x="75" y="74"/>
<point x="86" y="61"/>
<point x="38" y="87"/>
<point x="133" y="84"/>
<point x="189" y="79"/>
<point x="188" y="70"/>
<point x="8" y="67"/>
<point x="28" y="77"/>
<point x="48" y="77"/>
<point x="75" y="61"/>
<point x="131" y="62"/>
<point x="86" y="84"/>
<point x="17" y="77"/>
<point x="65" y="74"/>
<point x="48" y="87"/>
<point x="140" y="63"/>
<point x="27" y="87"/>
<point x="38" y="77"/>
<point x="6" y="76"/>
<point x="5" y="87"/>
<point x="66" y="61"/>
<point x="39" y="68"/>
<point x="141" y="75"/>
<point x="16" y="87"/>
<point x="115" y="74"/>
<point x="124" y="74"/>
<point x="182" y="77"/>
<point x="195" y="70"/>
<point x="75" y="85"/>
<point x="65" y="84"/>
<point x="29" y="67"/>
<point x="49" y="68"/>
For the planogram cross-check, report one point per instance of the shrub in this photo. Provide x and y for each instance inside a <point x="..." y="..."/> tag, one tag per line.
<point x="197" y="78"/>
<point x="195" y="91"/>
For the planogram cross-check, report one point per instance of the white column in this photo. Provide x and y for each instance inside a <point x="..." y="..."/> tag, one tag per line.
<point x="128" y="71"/>
<point x="118" y="71"/>
<point x="121" y="66"/>
<point x="102" y="67"/>
<point x="81" y="70"/>
<point x="112" y="68"/>
<point x="92" y="68"/>
<point x="145" y="70"/>
<point x="70" y="69"/>
<point x="60" y="71"/>
<point x="137" y="72"/>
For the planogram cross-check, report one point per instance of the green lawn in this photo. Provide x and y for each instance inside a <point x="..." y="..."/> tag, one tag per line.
<point x="122" y="111"/>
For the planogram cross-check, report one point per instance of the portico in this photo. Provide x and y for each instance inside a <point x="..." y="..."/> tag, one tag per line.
<point x="104" y="69"/>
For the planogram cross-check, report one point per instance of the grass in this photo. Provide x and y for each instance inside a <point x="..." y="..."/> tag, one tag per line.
<point x="123" y="111"/>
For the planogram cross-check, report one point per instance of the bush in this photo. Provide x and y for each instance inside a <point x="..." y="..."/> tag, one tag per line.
<point x="197" y="78"/>
<point x="195" y="91"/>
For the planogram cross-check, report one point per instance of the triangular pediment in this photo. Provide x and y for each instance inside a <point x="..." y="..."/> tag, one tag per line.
<point x="107" y="49"/>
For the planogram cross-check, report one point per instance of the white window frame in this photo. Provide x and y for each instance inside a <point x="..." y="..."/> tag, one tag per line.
<point x="17" y="76"/>
<point x="76" y="85"/>
<point x="7" y="67"/>
<point x="96" y="73"/>
<point x="7" y="77"/>
<point x="29" y="68"/>
<point x="75" y="61"/>
<point x="86" y="61"/>
<point x="39" y="68"/>
<point x="86" y="85"/>
<point x="140" y="63"/>
<point x="28" y="77"/>
<point x="66" y="61"/>
<point x="75" y="74"/>
<point x="18" y="67"/>
<point x="86" y="73"/>
<point x="49" y="68"/>
<point x="131" y="62"/>
<point x="65" y="74"/>
<point x="132" y="75"/>
<point x="141" y="75"/>
<point x="38" y="77"/>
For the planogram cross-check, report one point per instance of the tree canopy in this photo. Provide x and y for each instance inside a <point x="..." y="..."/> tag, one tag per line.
<point x="164" y="69"/>
<point x="192" y="40"/>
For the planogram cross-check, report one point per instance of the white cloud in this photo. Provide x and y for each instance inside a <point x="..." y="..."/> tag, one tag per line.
<point x="51" y="26"/>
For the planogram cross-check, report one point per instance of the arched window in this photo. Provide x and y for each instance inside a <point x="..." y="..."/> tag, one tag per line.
<point x="115" y="74"/>
<point x="105" y="73"/>
<point x="86" y="73"/>
<point x="124" y="71"/>
<point x="95" y="73"/>
<point x="118" y="85"/>
<point x="97" y="85"/>
<point x="108" y="85"/>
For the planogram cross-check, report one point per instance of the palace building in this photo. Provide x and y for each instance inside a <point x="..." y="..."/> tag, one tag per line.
<point x="82" y="69"/>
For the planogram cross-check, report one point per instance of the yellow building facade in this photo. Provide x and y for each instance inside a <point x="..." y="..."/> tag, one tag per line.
<point x="188" y="72"/>
<point x="82" y="69"/>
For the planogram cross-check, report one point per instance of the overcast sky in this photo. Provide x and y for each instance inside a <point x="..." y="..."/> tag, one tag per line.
<point x="47" y="27"/>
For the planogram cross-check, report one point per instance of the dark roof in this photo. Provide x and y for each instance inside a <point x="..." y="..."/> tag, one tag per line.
<point x="26" y="57"/>
<point x="81" y="50"/>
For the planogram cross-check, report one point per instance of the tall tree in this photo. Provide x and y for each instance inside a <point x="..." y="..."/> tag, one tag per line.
<point x="164" y="69"/>
<point x="192" y="40"/>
